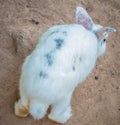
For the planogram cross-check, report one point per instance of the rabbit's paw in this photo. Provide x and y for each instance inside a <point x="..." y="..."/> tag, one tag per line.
<point x="21" y="110"/>
<point x="61" y="118"/>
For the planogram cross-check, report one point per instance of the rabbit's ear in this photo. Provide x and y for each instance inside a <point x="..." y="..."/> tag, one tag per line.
<point x="103" y="31"/>
<point x="83" y="18"/>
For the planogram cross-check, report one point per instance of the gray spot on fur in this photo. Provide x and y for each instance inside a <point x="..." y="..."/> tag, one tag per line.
<point x="73" y="68"/>
<point x="43" y="74"/>
<point x="49" y="59"/>
<point x="59" y="43"/>
<point x="64" y="32"/>
<point x="54" y="32"/>
<point x="80" y="59"/>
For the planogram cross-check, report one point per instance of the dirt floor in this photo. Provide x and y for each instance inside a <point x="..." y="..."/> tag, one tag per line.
<point x="97" y="101"/>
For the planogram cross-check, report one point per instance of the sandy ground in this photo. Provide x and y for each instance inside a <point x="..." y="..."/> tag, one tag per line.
<point x="97" y="101"/>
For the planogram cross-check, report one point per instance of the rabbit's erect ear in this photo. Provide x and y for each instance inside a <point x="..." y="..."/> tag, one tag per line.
<point x="103" y="31"/>
<point x="83" y="18"/>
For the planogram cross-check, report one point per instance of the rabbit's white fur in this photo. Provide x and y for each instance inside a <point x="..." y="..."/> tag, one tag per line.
<point x="64" y="57"/>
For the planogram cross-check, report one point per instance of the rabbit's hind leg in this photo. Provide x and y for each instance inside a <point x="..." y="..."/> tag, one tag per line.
<point x="22" y="106"/>
<point x="61" y="111"/>
<point x="38" y="108"/>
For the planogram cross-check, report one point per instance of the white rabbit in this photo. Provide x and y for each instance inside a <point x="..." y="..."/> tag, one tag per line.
<point x="64" y="57"/>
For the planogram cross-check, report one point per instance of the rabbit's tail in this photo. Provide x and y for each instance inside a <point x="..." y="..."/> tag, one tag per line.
<point x="38" y="109"/>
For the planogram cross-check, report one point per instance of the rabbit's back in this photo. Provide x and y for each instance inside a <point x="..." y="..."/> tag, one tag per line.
<point x="61" y="44"/>
<point x="64" y="57"/>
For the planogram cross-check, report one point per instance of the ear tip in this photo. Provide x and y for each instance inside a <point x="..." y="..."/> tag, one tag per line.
<point x="111" y="29"/>
<point x="114" y="30"/>
<point x="78" y="8"/>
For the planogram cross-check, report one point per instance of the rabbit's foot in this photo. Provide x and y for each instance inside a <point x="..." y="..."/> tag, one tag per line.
<point x="21" y="110"/>
<point x="62" y="117"/>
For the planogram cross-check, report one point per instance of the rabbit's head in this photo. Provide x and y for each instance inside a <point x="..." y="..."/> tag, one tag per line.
<point x="83" y="18"/>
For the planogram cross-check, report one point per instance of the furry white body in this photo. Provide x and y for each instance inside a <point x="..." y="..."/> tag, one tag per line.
<point x="63" y="58"/>
<point x="77" y="50"/>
